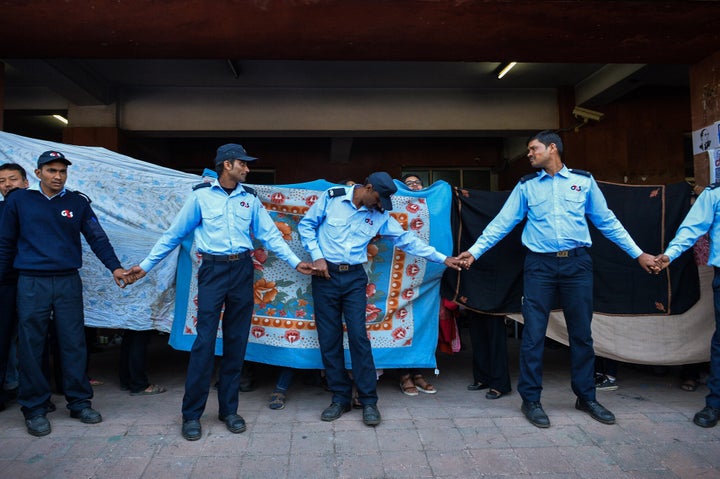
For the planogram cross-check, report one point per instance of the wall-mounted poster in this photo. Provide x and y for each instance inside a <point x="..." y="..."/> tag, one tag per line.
<point x="706" y="138"/>
<point x="714" y="160"/>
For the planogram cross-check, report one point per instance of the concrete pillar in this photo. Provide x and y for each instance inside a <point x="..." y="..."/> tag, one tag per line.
<point x="704" y="106"/>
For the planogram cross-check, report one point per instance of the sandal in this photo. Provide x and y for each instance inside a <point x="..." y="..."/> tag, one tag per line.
<point x="422" y="385"/>
<point x="689" y="385"/>
<point x="407" y="386"/>
<point x="150" y="390"/>
<point x="277" y="400"/>
<point x="476" y="386"/>
<point x="493" y="394"/>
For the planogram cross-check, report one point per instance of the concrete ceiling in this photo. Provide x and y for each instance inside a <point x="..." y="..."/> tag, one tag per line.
<point x="93" y="52"/>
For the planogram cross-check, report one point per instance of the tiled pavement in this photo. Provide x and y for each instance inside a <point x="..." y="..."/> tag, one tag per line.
<point x="455" y="433"/>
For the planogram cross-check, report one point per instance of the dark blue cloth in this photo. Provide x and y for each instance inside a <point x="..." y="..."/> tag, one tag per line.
<point x="547" y="281"/>
<point x="38" y="297"/>
<point x="343" y="296"/>
<point x="229" y="283"/>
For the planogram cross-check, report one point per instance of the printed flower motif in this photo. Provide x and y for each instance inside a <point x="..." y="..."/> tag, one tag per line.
<point x="257" y="331"/>
<point x="292" y="335"/>
<point x="417" y="224"/>
<point x="371" y="313"/>
<point x="310" y="200"/>
<point x="412" y="207"/>
<point x="302" y="302"/>
<point x="370" y="290"/>
<point x="259" y="256"/>
<point x="300" y="313"/>
<point x="285" y="230"/>
<point x="264" y="292"/>
<point x="277" y="198"/>
<point x="399" y="333"/>
<point x="372" y="251"/>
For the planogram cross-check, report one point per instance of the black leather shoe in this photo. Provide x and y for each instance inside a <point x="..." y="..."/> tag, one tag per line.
<point x="534" y="413"/>
<point x="234" y="422"/>
<point x="334" y="411"/>
<point x="87" y="415"/>
<point x="596" y="411"/>
<point x="191" y="429"/>
<point x="38" y="426"/>
<point x="708" y="417"/>
<point x="371" y="415"/>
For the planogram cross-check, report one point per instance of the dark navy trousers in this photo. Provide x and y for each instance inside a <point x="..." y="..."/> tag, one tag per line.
<point x="547" y="279"/>
<point x="8" y="321"/>
<point x="343" y="295"/>
<point x="38" y="298"/>
<point x="229" y="283"/>
<point x="713" y="382"/>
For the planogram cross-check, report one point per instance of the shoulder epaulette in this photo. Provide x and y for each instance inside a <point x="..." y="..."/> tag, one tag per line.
<point x="333" y="192"/>
<point x="528" y="177"/>
<point x="250" y="190"/>
<point x="204" y="184"/>
<point x="713" y="186"/>
<point x="580" y="172"/>
<point x="82" y="195"/>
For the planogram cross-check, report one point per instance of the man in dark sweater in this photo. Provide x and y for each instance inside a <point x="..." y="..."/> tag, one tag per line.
<point x="40" y="229"/>
<point x="12" y="176"/>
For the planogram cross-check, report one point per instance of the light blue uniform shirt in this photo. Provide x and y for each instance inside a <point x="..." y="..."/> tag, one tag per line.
<point x="704" y="216"/>
<point x="222" y="225"/>
<point x="334" y="229"/>
<point x="556" y="208"/>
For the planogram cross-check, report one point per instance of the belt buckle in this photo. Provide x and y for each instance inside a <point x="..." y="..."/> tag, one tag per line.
<point x="233" y="257"/>
<point x="562" y="254"/>
<point x="343" y="267"/>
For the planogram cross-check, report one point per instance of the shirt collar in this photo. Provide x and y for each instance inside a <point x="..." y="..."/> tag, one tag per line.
<point x="564" y="172"/>
<point x="36" y="187"/>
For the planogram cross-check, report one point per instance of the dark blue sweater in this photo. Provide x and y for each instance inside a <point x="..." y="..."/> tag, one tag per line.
<point x="46" y="234"/>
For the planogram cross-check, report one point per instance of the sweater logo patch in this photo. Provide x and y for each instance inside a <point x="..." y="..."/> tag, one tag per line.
<point x="67" y="213"/>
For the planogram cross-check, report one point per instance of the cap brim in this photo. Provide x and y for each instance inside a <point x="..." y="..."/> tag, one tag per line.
<point x="386" y="203"/>
<point x="61" y="160"/>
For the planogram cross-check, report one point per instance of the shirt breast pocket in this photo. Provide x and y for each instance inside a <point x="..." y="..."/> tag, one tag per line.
<point x="336" y="227"/>
<point x="575" y="203"/>
<point x="213" y="220"/>
<point x="539" y="207"/>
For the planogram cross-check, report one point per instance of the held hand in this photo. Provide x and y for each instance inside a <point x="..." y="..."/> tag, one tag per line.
<point x="662" y="261"/>
<point x="453" y="262"/>
<point x="466" y="259"/>
<point x="320" y="268"/>
<point x="133" y="274"/>
<point x="305" y="268"/>
<point x="120" y="279"/>
<point x="647" y="262"/>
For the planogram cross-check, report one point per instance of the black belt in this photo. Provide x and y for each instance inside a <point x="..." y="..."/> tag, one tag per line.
<point x="225" y="257"/>
<point x="341" y="268"/>
<point x="565" y="253"/>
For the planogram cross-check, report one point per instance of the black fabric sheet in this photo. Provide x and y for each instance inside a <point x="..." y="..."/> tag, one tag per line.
<point x="651" y="214"/>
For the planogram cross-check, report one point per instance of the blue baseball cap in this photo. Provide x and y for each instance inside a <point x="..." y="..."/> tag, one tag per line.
<point x="50" y="156"/>
<point x="230" y="152"/>
<point x="385" y="186"/>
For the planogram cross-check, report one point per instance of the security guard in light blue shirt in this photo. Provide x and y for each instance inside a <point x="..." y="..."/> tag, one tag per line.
<point x="704" y="217"/>
<point x="557" y="202"/>
<point x="223" y="214"/>
<point x="336" y="231"/>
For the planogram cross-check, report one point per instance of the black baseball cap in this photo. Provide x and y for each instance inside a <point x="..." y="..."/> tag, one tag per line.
<point x="385" y="186"/>
<point x="50" y="156"/>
